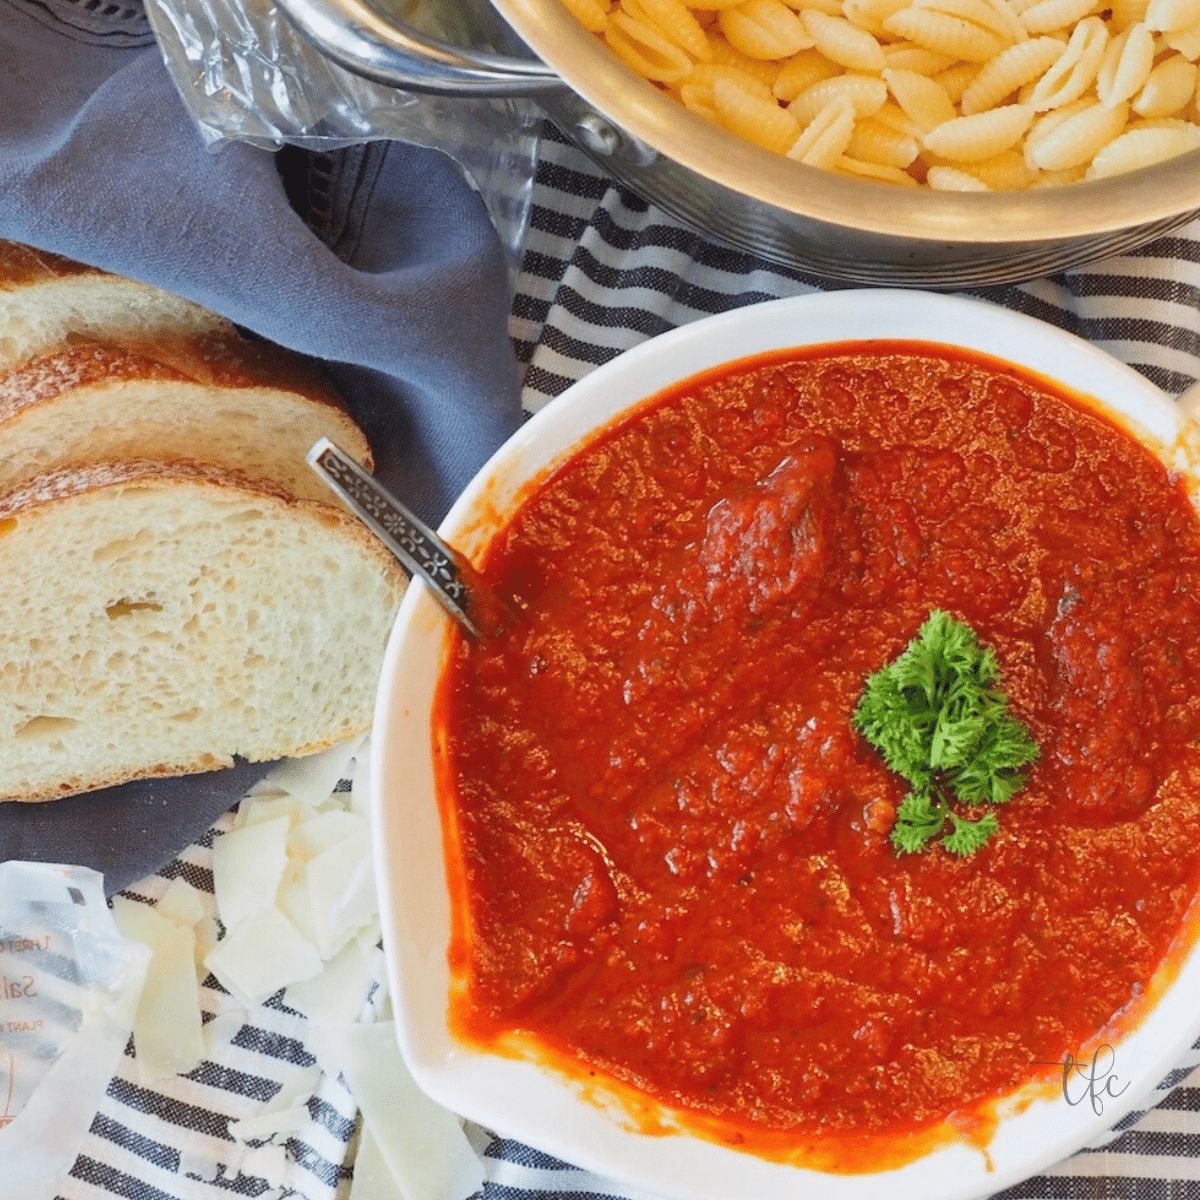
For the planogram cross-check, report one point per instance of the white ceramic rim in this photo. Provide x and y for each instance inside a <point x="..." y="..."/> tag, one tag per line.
<point x="520" y="1099"/>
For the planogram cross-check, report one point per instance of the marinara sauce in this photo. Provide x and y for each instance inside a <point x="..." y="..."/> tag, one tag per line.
<point x="670" y="845"/>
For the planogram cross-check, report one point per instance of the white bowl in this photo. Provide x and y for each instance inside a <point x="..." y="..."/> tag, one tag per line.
<point x="520" y="1099"/>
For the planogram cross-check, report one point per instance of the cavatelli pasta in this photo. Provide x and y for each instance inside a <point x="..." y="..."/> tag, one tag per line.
<point x="802" y="71"/>
<point x="826" y="136"/>
<point x="753" y="114"/>
<point x="591" y="14"/>
<point x="984" y="135"/>
<point x="873" y="142"/>
<point x="1172" y="83"/>
<point x="1143" y="148"/>
<point x="1170" y="16"/>
<point x="954" y="179"/>
<point x="647" y="51"/>
<point x="1010" y="71"/>
<point x="945" y="34"/>
<point x="950" y="94"/>
<point x="905" y="56"/>
<point x="923" y="100"/>
<point x="1126" y="65"/>
<point x="865" y="93"/>
<point x="674" y="20"/>
<point x="1077" y="140"/>
<point x="843" y="43"/>
<point x="1048" y="15"/>
<point x="1076" y="68"/>
<point x="869" y="170"/>
<point x="765" y="29"/>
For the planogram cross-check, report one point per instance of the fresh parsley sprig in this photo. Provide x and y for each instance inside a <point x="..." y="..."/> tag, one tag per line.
<point x="939" y="718"/>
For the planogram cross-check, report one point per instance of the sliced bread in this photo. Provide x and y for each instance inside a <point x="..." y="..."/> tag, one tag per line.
<point x="45" y="300"/>
<point x="161" y="619"/>
<point x="217" y="398"/>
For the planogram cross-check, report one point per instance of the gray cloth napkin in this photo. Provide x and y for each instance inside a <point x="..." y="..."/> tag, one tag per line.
<point x="379" y="260"/>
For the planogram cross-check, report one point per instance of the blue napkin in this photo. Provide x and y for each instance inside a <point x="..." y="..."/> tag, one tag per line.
<point x="379" y="260"/>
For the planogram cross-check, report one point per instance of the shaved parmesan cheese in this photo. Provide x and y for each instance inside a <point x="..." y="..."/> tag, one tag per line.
<point x="166" y="1029"/>
<point x="425" y="1150"/>
<point x="272" y="808"/>
<point x="312" y="779"/>
<point x="261" y="955"/>
<point x="247" y="866"/>
<point x="339" y="993"/>
<point x="295" y="902"/>
<point x="298" y="1086"/>
<point x="341" y="886"/>
<point x="372" y="1179"/>
<point x="181" y="903"/>
<point x="207" y="934"/>
<point x="324" y="830"/>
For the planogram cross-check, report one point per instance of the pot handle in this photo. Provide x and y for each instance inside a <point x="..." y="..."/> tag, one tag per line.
<point x="355" y="36"/>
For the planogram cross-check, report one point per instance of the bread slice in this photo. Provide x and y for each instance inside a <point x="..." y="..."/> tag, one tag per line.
<point x="216" y="398"/>
<point x="45" y="300"/>
<point x="161" y="619"/>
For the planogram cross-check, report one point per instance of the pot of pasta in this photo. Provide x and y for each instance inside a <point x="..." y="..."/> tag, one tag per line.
<point x="939" y="143"/>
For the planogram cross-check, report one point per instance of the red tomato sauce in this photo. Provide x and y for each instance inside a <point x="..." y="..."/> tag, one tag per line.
<point x="669" y="845"/>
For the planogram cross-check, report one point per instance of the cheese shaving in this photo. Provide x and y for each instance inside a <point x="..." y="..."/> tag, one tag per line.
<point x="166" y="1028"/>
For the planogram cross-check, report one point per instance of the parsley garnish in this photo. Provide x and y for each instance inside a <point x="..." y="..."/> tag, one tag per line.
<point x="939" y="718"/>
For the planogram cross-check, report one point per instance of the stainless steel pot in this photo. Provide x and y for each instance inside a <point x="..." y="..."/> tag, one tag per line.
<point x="744" y="196"/>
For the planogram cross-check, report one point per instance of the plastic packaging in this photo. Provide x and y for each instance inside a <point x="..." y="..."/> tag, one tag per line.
<point x="246" y="75"/>
<point x="69" y="986"/>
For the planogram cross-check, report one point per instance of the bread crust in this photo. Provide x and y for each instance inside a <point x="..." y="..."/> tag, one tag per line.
<point x="222" y="359"/>
<point x="57" y="487"/>
<point x="78" y="787"/>
<point x="22" y="265"/>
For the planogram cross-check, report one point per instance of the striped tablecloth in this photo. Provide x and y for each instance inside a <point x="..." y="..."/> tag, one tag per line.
<point x="602" y="272"/>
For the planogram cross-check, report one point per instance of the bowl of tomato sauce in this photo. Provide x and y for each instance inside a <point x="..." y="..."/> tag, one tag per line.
<point x="661" y="901"/>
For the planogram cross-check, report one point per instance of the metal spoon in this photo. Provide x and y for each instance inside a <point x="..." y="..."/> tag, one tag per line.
<point x="456" y="584"/>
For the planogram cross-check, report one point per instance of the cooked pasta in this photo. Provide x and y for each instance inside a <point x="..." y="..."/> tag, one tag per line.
<point x="843" y="42"/>
<point x="1126" y="65"/>
<point x="801" y="71"/>
<point x="1075" y="71"/>
<point x="753" y="114"/>
<point x="864" y="93"/>
<point x="765" y="29"/>
<point x="1170" y="16"/>
<point x="1077" y="140"/>
<point x="945" y="34"/>
<point x="953" y="179"/>
<point x="591" y="14"/>
<point x="1168" y="89"/>
<point x="980" y="136"/>
<point x="953" y="95"/>
<point x="1009" y="71"/>
<point x="826" y="136"/>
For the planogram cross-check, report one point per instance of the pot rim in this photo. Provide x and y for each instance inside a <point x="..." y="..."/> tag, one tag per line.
<point x="1015" y="216"/>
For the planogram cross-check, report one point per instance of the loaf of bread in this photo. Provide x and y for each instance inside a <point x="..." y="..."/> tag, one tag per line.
<point x="217" y="397"/>
<point x="161" y="618"/>
<point x="45" y="300"/>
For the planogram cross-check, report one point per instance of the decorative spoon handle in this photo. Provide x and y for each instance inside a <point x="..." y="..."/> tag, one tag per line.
<point x="463" y="593"/>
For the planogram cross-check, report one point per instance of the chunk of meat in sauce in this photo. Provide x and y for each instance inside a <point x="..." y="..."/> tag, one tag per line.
<point x="1100" y="698"/>
<point x="771" y="542"/>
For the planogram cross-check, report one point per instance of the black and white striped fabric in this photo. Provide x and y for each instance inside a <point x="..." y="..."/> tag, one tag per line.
<point x="603" y="271"/>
